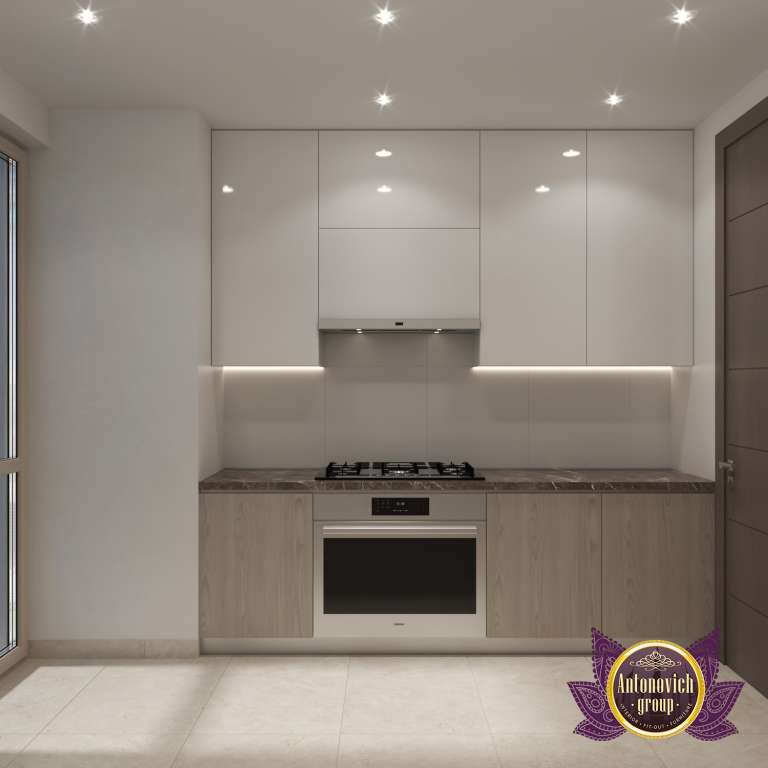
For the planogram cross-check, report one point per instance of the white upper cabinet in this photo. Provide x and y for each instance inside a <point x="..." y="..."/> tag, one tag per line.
<point x="640" y="248"/>
<point x="264" y="248"/>
<point x="534" y="257"/>
<point x="399" y="273"/>
<point x="432" y="178"/>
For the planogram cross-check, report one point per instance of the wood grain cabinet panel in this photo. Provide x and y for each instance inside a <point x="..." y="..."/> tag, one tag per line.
<point x="658" y="565"/>
<point x="543" y="565"/>
<point x="255" y="565"/>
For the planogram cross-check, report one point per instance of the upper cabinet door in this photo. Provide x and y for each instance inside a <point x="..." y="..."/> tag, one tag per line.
<point x="432" y="178"/>
<point x="640" y="248"/>
<point x="264" y="248"/>
<point x="533" y="257"/>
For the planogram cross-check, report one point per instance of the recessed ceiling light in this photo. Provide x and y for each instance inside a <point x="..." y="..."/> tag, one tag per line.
<point x="383" y="153"/>
<point x="682" y="16"/>
<point x="384" y="99"/>
<point x="384" y="17"/>
<point x="542" y="189"/>
<point x="88" y="16"/>
<point x="226" y="189"/>
<point x="613" y="100"/>
<point x="571" y="153"/>
<point x="385" y="188"/>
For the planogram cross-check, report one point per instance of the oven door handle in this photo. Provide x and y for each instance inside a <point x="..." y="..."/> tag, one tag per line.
<point x="400" y="531"/>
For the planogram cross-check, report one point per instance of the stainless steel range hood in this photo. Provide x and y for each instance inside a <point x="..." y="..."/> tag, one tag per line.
<point x="390" y="325"/>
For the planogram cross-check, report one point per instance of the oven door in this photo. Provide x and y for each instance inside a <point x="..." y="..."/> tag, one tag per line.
<point x="399" y="579"/>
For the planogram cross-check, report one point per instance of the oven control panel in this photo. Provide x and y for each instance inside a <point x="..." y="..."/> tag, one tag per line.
<point x="400" y="506"/>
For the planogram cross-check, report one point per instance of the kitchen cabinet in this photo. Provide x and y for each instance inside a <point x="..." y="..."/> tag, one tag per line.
<point x="534" y="250"/>
<point x="658" y="565"/>
<point x="543" y="565"/>
<point x="255" y="565"/>
<point x="433" y="178"/>
<point x="399" y="273"/>
<point x="264" y="248"/>
<point x="640" y="248"/>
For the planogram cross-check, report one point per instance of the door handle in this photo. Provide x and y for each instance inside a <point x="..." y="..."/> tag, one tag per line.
<point x="728" y="467"/>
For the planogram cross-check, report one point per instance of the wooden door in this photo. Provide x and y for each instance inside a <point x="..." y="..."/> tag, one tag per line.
<point x="658" y="565"/>
<point x="743" y="391"/>
<point x="543" y="564"/>
<point x="255" y="565"/>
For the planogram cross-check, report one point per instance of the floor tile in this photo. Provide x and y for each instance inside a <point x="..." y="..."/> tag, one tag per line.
<point x="530" y="694"/>
<point x="741" y="751"/>
<point x="574" y="751"/>
<point x="266" y="751"/>
<point x="278" y="695"/>
<point x="35" y="670"/>
<point x="726" y="673"/>
<point x="11" y="745"/>
<point x="29" y="706"/>
<point x="145" y="696"/>
<point x="425" y="695"/>
<point x="383" y="751"/>
<point x="100" y="752"/>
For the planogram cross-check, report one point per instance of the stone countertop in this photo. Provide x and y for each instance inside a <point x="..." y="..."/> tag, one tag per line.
<point x="602" y="480"/>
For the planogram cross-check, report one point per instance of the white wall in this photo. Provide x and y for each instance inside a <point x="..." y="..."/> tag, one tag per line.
<point x="23" y="116"/>
<point x="118" y="240"/>
<point x="415" y="397"/>
<point x="693" y="389"/>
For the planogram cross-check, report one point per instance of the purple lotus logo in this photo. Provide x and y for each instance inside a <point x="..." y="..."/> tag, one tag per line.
<point x="655" y="689"/>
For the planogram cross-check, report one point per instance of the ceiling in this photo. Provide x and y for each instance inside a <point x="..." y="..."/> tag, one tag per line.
<point x="447" y="63"/>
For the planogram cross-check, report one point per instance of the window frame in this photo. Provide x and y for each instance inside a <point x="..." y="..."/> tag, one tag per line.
<point x="18" y="465"/>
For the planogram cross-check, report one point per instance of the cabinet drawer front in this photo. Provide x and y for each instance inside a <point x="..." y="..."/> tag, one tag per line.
<point x="433" y="177"/>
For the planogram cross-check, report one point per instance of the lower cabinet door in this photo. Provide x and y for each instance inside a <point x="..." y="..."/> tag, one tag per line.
<point x="255" y="565"/>
<point x="543" y="564"/>
<point x="658" y="565"/>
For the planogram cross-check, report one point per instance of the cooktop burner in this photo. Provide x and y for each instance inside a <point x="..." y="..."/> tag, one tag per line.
<point x="399" y="470"/>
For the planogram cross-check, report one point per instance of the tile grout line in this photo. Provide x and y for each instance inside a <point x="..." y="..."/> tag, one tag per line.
<point x="40" y="732"/>
<point x="482" y="706"/>
<point x="343" y="706"/>
<point x="202" y="709"/>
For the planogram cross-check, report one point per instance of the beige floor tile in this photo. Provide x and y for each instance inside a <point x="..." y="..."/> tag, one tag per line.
<point x="204" y="667"/>
<point x="529" y="694"/>
<point x="277" y="695"/>
<point x="141" y="697"/>
<point x="427" y="695"/>
<point x="288" y="667"/>
<point x="52" y="669"/>
<point x="30" y="705"/>
<point x="384" y="751"/>
<point x="726" y="673"/>
<point x="740" y="751"/>
<point x="542" y="670"/>
<point x="573" y="751"/>
<point x="11" y="745"/>
<point x="749" y="717"/>
<point x="100" y="752"/>
<point x="265" y="751"/>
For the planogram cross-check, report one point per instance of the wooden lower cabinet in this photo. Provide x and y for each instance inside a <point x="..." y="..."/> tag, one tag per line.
<point x="658" y="565"/>
<point x="543" y="564"/>
<point x="255" y="565"/>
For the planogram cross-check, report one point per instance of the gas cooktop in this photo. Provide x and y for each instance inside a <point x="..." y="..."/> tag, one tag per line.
<point x="399" y="470"/>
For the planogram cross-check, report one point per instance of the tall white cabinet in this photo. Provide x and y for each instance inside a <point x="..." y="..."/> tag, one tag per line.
<point x="640" y="248"/>
<point x="534" y="248"/>
<point x="264" y="248"/>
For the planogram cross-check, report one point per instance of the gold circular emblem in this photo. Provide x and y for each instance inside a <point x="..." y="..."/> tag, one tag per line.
<point x="655" y="689"/>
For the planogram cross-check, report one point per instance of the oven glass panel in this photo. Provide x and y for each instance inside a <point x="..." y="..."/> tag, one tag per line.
<point x="400" y="575"/>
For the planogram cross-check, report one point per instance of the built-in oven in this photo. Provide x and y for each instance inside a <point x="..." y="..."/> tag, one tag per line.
<point x="399" y="565"/>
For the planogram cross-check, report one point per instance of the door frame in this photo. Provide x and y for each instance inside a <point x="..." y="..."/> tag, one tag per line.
<point x="736" y="130"/>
